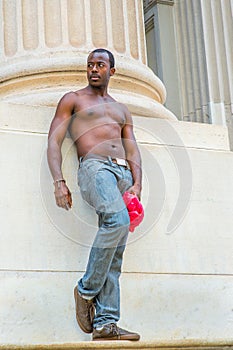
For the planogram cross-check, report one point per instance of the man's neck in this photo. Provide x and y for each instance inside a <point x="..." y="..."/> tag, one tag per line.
<point x="98" y="90"/>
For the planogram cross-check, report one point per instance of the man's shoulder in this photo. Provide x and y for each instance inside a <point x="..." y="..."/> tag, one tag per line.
<point x="67" y="97"/>
<point x="119" y="104"/>
<point x="73" y="95"/>
<point x="72" y="98"/>
<point x="124" y="108"/>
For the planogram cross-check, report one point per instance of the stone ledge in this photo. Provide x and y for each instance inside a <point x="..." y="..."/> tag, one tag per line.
<point x="187" y="344"/>
<point x="16" y="117"/>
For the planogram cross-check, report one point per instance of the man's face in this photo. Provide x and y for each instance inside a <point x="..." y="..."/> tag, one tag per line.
<point x="98" y="69"/>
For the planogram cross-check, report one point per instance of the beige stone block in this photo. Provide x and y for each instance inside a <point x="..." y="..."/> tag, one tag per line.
<point x="29" y="236"/>
<point x="58" y="240"/>
<point x="171" y="307"/>
<point x="203" y="228"/>
<point x="181" y="134"/>
<point x="38" y="307"/>
<point x="24" y="117"/>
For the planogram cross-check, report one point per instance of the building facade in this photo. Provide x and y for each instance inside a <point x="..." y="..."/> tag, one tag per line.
<point x="177" y="278"/>
<point x="189" y="47"/>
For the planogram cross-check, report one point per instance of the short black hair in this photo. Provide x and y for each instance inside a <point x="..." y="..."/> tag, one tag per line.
<point x="110" y="56"/>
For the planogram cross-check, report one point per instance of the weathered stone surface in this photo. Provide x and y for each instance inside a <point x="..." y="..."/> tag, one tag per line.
<point x="174" y="286"/>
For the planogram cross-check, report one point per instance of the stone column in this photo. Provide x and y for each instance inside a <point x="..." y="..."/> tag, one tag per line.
<point x="45" y="45"/>
<point x="204" y="39"/>
<point x="161" y="48"/>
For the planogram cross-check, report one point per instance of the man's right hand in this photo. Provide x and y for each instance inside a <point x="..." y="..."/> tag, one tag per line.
<point x="63" y="196"/>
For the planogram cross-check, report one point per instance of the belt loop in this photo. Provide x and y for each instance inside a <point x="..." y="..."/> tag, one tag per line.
<point x="80" y="161"/>
<point x="110" y="159"/>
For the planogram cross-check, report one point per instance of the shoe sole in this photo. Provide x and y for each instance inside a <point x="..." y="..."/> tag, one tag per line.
<point x="136" y="338"/>
<point x="77" y="318"/>
<point x="115" y="339"/>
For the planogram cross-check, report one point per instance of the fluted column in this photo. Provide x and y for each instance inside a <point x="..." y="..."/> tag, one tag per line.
<point x="45" y="45"/>
<point x="204" y="38"/>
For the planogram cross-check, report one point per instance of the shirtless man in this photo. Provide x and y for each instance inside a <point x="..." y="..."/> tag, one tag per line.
<point x="109" y="164"/>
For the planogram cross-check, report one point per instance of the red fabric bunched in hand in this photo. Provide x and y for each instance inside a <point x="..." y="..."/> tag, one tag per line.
<point x="135" y="209"/>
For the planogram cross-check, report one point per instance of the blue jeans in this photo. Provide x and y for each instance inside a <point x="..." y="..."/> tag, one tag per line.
<point x="102" y="184"/>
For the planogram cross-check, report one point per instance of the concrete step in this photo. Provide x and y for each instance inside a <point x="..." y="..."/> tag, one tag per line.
<point x="187" y="344"/>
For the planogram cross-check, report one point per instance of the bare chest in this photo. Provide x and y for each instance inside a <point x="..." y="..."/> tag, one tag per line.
<point x="101" y="119"/>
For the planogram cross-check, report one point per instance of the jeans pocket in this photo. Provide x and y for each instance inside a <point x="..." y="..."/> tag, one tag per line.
<point x="126" y="182"/>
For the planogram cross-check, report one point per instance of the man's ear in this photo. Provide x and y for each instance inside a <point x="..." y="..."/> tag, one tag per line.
<point x="112" y="71"/>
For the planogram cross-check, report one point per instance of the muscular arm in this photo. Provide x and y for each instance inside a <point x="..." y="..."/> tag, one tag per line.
<point x="132" y="155"/>
<point x="56" y="136"/>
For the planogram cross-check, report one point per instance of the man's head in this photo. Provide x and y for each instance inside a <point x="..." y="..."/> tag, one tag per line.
<point x="110" y="56"/>
<point x="100" y="67"/>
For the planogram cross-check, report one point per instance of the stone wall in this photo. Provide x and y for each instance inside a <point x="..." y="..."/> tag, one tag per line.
<point x="177" y="276"/>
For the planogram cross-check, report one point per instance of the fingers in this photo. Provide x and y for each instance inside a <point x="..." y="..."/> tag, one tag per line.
<point x="64" y="203"/>
<point x="135" y="192"/>
<point x="69" y="199"/>
<point x="61" y="202"/>
<point x="63" y="199"/>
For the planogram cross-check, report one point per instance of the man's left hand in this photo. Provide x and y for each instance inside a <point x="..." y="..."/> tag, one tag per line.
<point x="135" y="189"/>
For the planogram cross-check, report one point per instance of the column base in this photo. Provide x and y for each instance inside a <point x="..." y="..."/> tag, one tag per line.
<point x="45" y="80"/>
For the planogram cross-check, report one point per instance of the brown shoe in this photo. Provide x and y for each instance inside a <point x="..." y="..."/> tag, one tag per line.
<point x="112" y="332"/>
<point x="85" y="312"/>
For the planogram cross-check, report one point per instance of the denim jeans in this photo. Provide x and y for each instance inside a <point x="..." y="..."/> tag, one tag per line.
<point x="102" y="184"/>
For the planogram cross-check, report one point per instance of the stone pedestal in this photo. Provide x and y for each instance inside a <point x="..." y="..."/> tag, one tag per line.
<point x="176" y="280"/>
